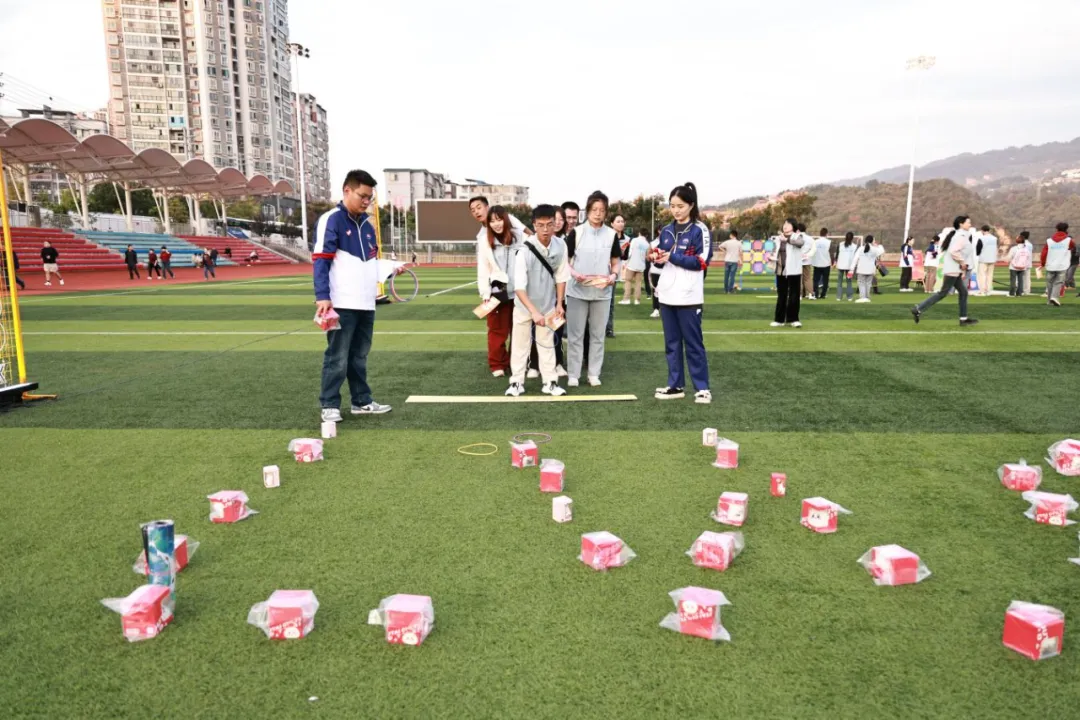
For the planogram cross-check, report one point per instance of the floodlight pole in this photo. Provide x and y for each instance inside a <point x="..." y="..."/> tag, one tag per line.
<point x="923" y="62"/>
<point x="297" y="50"/>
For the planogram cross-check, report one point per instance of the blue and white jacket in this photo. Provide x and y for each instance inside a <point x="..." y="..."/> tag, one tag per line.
<point x="345" y="260"/>
<point x="682" y="281"/>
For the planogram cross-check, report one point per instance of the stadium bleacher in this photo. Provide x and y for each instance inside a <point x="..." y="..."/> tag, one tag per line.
<point x="183" y="251"/>
<point x="75" y="253"/>
<point x="240" y="247"/>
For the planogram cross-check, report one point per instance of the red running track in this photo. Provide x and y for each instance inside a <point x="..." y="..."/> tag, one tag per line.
<point x="83" y="281"/>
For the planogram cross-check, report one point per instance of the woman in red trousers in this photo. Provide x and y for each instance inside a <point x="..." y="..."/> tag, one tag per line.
<point x="495" y="255"/>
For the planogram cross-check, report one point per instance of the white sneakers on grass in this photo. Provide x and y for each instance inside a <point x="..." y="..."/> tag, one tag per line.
<point x="372" y="408"/>
<point x="796" y="324"/>
<point x="331" y="415"/>
<point x="776" y="324"/>
<point x="573" y="382"/>
<point x="624" y="302"/>
<point x="655" y="314"/>
<point x="552" y="388"/>
<point x="863" y="300"/>
<point x="497" y="373"/>
<point x="515" y="390"/>
<point x="669" y="393"/>
<point x="594" y="381"/>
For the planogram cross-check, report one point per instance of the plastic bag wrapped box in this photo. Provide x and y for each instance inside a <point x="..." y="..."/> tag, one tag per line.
<point x="1033" y="630"/>
<point x="229" y="506"/>
<point x="716" y="550"/>
<point x="306" y="450"/>
<point x="894" y="565"/>
<point x="407" y="619"/>
<point x="821" y="515"/>
<point x="524" y="455"/>
<point x="731" y="509"/>
<point x="1049" y="509"/>
<point x="552" y="475"/>
<point x="727" y="454"/>
<point x="1065" y="457"/>
<point x="286" y="614"/>
<point x="144" y="613"/>
<point x="1020" y="476"/>
<point x="603" y="550"/>
<point x="697" y="613"/>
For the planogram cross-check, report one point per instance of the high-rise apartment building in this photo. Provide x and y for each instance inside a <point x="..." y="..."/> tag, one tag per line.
<point x="316" y="140"/>
<point x="203" y="78"/>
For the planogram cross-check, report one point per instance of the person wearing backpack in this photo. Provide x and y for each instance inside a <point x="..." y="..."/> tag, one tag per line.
<point x="541" y="271"/>
<point x="957" y="257"/>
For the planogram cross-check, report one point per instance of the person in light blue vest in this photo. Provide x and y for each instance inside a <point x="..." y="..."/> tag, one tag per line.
<point x="844" y="259"/>
<point x="594" y="261"/>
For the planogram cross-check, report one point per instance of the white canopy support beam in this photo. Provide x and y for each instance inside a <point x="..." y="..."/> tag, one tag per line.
<point x="127" y="208"/>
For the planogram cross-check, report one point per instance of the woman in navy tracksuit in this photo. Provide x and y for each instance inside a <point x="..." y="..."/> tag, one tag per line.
<point x="684" y="250"/>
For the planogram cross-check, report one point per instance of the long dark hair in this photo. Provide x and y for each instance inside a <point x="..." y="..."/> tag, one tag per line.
<point x="956" y="223"/>
<point x="687" y="192"/>
<point x="867" y="242"/>
<point x="505" y="237"/>
<point x="849" y="239"/>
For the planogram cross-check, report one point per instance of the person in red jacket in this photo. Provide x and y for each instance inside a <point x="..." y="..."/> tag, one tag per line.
<point x="165" y="258"/>
<point x="152" y="265"/>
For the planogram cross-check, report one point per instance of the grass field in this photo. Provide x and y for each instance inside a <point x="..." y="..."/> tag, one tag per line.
<point x="172" y="392"/>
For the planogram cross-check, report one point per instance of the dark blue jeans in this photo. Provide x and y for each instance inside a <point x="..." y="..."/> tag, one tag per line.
<point x="730" y="270"/>
<point x="346" y="357"/>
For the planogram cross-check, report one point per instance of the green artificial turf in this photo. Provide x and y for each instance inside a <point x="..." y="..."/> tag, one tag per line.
<point x="905" y="426"/>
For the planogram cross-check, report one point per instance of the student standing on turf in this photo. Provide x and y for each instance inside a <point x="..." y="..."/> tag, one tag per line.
<point x="683" y="249"/>
<point x="494" y="270"/>
<point x="807" y="290"/>
<point x="131" y="259"/>
<point x="907" y="264"/>
<point x="347" y="281"/>
<point x="1031" y="251"/>
<point x="822" y="261"/>
<point x="618" y="224"/>
<point x="635" y="268"/>
<point x="987" y="253"/>
<point x="844" y="258"/>
<point x="49" y="257"/>
<point x="1019" y="262"/>
<point x="866" y="259"/>
<point x="540" y="274"/>
<point x="787" y="264"/>
<point x="731" y="249"/>
<point x="930" y="263"/>
<point x="165" y="257"/>
<point x="957" y="256"/>
<point x="594" y="261"/>
<point x="1055" y="259"/>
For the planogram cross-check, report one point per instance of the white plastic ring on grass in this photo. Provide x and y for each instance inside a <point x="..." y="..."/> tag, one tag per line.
<point x="537" y="437"/>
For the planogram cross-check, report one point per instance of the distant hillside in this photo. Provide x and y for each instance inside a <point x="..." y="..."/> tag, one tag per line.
<point x="880" y="206"/>
<point x="1036" y="205"/>
<point x="1030" y="163"/>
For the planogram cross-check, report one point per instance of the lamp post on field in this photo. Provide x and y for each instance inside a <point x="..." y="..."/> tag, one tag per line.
<point x="299" y="51"/>
<point x="923" y="62"/>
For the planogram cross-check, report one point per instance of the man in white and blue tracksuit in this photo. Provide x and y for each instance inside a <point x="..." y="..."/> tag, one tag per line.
<point x="682" y="294"/>
<point x="345" y="260"/>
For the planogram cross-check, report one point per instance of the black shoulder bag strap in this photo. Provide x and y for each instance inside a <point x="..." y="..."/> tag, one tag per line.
<point x="541" y="258"/>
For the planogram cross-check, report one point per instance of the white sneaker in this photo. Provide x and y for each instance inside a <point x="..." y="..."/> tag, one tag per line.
<point x="331" y="415"/>
<point x="594" y="381"/>
<point x="796" y="324"/>
<point x="572" y="382"/>
<point x="61" y="282"/>
<point x="48" y="284"/>
<point x="669" y="393"/>
<point x="553" y="389"/>
<point x="703" y="397"/>
<point x="637" y="302"/>
<point x="655" y="314"/>
<point x="624" y="302"/>
<point x="372" y="408"/>
<point x="560" y="371"/>
<point x="811" y="297"/>
<point x="497" y="373"/>
<point x="515" y="390"/>
<point x="776" y="324"/>
<point x="863" y="300"/>
<point x="532" y="374"/>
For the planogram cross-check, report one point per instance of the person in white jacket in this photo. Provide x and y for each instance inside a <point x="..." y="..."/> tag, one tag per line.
<point x="956" y="259"/>
<point x="986" y="251"/>
<point x="495" y="256"/>
<point x="866" y="259"/>
<point x="788" y="266"/>
<point x="844" y="259"/>
<point x="1019" y="262"/>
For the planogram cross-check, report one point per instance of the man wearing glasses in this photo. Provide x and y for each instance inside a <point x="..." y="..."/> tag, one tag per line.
<point x="540" y="275"/>
<point x="346" y="281"/>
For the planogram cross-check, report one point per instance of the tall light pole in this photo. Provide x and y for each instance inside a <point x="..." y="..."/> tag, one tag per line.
<point x="923" y="62"/>
<point x="298" y="51"/>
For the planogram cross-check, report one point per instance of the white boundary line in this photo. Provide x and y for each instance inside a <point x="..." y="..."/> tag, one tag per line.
<point x="930" y="333"/>
<point x="451" y="289"/>
<point x="141" y="291"/>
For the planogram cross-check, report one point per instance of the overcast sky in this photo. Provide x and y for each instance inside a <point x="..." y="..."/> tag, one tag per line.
<point x="742" y="97"/>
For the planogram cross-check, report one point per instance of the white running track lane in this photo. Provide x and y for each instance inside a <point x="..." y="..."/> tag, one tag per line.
<point x="927" y="333"/>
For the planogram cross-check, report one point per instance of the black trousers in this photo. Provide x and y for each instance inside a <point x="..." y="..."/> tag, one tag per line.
<point x="821" y="281"/>
<point x="905" y="278"/>
<point x="788" y="298"/>
<point x="133" y="272"/>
